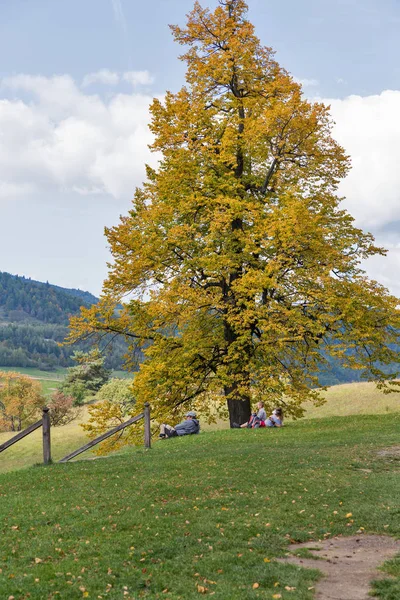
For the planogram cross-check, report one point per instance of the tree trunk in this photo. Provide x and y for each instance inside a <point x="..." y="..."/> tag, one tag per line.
<point x="239" y="406"/>
<point x="239" y="409"/>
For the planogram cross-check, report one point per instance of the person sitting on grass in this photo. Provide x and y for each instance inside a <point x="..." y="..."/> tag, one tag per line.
<point x="188" y="426"/>
<point x="256" y="420"/>
<point x="276" y="419"/>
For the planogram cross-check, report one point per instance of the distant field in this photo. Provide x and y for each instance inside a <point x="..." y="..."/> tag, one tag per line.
<point x="122" y="374"/>
<point x="57" y="374"/>
<point x="50" y="380"/>
<point x="354" y="399"/>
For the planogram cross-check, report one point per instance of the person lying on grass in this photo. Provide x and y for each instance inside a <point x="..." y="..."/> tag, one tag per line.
<point x="188" y="426"/>
<point x="256" y="418"/>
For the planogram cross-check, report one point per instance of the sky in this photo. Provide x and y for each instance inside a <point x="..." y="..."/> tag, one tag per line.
<point x="76" y="80"/>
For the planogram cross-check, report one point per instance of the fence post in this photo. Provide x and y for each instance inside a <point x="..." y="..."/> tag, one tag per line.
<point x="46" y="436"/>
<point x="147" y="432"/>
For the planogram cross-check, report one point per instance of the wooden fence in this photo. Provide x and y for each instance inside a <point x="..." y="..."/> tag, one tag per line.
<point x="45" y="424"/>
<point x="147" y="434"/>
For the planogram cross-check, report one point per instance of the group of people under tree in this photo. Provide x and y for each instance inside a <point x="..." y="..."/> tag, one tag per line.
<point x="260" y="419"/>
<point x="191" y="425"/>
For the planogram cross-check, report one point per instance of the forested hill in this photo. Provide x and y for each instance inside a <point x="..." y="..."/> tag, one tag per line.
<point x="33" y="320"/>
<point x="84" y="297"/>
<point x="22" y="299"/>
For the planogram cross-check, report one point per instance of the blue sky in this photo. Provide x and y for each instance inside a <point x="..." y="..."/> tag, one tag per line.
<point x="353" y="41"/>
<point x="75" y="82"/>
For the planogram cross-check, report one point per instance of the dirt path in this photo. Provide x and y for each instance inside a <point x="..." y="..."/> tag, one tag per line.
<point x="349" y="564"/>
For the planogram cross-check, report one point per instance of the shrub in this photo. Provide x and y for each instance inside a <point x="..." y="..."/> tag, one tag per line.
<point x="63" y="409"/>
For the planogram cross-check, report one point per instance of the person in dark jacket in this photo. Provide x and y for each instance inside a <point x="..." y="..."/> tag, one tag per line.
<point x="188" y="426"/>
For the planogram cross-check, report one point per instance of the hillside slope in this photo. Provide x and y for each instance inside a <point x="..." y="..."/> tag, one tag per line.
<point x="362" y="398"/>
<point x="34" y="317"/>
<point x="206" y="515"/>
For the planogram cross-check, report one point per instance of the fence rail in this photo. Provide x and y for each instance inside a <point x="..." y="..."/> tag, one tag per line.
<point x="44" y="423"/>
<point x="101" y="438"/>
<point x="20" y="435"/>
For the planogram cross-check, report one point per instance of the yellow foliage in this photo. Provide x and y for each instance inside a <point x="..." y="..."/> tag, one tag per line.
<point x="20" y="401"/>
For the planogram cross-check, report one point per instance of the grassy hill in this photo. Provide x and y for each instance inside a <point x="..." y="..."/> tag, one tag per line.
<point x="354" y="399"/>
<point x="203" y="515"/>
<point x="342" y="400"/>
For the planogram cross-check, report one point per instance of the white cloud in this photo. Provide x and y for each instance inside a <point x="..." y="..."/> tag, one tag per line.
<point x="60" y="138"/>
<point x="306" y="82"/>
<point x="385" y="269"/>
<point x="138" y="78"/>
<point x="369" y="129"/>
<point x="110" y="78"/>
<point x="104" y="76"/>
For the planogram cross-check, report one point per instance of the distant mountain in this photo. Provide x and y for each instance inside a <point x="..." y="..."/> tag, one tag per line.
<point x="23" y="299"/>
<point x="85" y="297"/>
<point x="33" y="320"/>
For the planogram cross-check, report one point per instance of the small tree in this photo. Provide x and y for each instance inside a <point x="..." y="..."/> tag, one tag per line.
<point x="62" y="409"/>
<point x="21" y="399"/>
<point x="115" y="403"/>
<point x="242" y="267"/>
<point x="87" y="377"/>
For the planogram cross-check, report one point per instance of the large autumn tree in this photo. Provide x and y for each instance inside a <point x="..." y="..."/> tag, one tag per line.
<point x="242" y="269"/>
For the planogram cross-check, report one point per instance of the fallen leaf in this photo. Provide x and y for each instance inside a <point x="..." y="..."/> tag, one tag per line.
<point x="255" y="586"/>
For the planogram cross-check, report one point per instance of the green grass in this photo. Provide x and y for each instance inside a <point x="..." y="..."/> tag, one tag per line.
<point x="122" y="375"/>
<point x="58" y="374"/>
<point x="354" y="399"/>
<point x="212" y="511"/>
